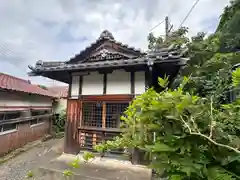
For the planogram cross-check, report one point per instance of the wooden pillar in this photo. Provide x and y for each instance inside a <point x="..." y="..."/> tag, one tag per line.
<point x="94" y="139"/>
<point x="104" y="111"/>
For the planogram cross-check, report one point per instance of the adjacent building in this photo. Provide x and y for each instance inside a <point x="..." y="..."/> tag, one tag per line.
<point x="25" y="112"/>
<point x="103" y="79"/>
<point x="60" y="102"/>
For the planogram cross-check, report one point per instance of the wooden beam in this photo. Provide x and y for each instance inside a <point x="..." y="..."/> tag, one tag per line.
<point x="80" y="113"/>
<point x="115" y="97"/>
<point x="104" y="71"/>
<point x="70" y="87"/>
<point x="84" y="73"/>
<point x="94" y="139"/>
<point x="104" y="111"/>
<point x="105" y="83"/>
<point x="132" y="83"/>
<point x="146" y="80"/>
<point x="80" y="85"/>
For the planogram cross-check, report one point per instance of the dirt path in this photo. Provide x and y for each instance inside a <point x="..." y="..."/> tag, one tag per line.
<point x="18" y="167"/>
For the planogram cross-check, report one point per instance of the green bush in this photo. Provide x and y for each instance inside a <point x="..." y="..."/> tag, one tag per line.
<point x="193" y="139"/>
<point x="59" y="122"/>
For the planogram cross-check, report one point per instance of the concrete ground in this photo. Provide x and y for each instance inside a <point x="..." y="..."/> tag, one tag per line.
<point x="47" y="162"/>
<point x="18" y="167"/>
<point x="97" y="169"/>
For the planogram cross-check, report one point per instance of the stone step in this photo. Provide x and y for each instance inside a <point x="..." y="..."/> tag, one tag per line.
<point x="97" y="169"/>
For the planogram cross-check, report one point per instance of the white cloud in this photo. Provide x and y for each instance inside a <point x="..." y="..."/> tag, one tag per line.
<point x="58" y="29"/>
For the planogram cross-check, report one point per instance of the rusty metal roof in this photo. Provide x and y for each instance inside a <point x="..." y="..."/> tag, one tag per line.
<point x="8" y="82"/>
<point x="59" y="91"/>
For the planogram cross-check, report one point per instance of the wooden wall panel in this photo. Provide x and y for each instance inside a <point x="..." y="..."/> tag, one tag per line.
<point x="23" y="135"/>
<point x="73" y="121"/>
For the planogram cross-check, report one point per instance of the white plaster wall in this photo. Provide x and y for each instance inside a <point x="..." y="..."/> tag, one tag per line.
<point x="23" y="99"/>
<point x="139" y="82"/>
<point x="119" y="82"/>
<point x="75" y="86"/>
<point x="92" y="84"/>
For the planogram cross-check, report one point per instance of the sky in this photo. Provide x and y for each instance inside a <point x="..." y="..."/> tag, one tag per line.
<point x="56" y="30"/>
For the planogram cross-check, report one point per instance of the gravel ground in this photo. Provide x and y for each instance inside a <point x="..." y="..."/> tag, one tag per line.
<point x="18" y="167"/>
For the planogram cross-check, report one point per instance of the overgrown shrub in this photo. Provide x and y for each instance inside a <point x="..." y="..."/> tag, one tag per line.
<point x="59" y="122"/>
<point x="193" y="139"/>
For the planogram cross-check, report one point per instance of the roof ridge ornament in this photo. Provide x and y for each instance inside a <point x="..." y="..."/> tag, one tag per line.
<point x="104" y="52"/>
<point x="106" y="35"/>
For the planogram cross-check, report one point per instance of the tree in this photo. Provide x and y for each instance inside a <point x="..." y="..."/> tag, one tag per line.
<point x="229" y="28"/>
<point x="210" y="58"/>
<point x="176" y="38"/>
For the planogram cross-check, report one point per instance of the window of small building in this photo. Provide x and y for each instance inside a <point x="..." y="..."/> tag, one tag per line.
<point x="39" y="120"/>
<point x="8" y="127"/>
<point x="33" y="121"/>
<point x="10" y="115"/>
<point x="1" y="116"/>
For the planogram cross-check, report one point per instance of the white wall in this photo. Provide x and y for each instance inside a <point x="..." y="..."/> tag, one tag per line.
<point x="75" y="86"/>
<point x="119" y="82"/>
<point x="92" y="84"/>
<point x="139" y="82"/>
<point x="23" y="99"/>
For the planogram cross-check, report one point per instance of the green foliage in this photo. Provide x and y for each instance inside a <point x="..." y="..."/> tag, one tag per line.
<point x="67" y="173"/>
<point x="194" y="139"/>
<point x="43" y="87"/>
<point x="229" y="27"/>
<point x="59" y="122"/>
<point x="87" y="156"/>
<point x="75" y="163"/>
<point x="29" y="174"/>
<point x="176" y="39"/>
<point x="210" y="58"/>
<point x="236" y="77"/>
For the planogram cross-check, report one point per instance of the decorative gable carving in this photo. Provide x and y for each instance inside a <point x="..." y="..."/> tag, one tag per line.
<point x="106" y="48"/>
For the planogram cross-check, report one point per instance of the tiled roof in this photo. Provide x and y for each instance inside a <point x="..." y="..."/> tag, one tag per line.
<point x="59" y="91"/>
<point x="9" y="82"/>
<point x="105" y="36"/>
<point x="163" y="56"/>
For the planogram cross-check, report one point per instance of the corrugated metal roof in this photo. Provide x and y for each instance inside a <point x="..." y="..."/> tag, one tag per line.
<point x="60" y="91"/>
<point x="9" y="82"/>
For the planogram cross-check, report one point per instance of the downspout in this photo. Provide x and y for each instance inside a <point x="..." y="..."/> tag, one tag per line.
<point x="150" y="64"/>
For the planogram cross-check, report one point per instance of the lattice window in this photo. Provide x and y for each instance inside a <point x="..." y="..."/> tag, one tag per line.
<point x="114" y="112"/>
<point x="92" y="114"/>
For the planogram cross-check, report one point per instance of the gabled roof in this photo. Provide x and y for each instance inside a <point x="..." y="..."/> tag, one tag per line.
<point x="8" y="82"/>
<point x="59" y="91"/>
<point x="105" y="53"/>
<point x="102" y="45"/>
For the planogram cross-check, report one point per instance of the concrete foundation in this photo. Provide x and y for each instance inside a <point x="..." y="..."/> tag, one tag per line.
<point x="97" y="169"/>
